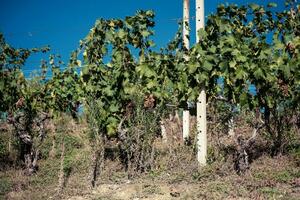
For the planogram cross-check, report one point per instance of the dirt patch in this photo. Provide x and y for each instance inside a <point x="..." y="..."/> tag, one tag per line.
<point x="145" y="191"/>
<point x="268" y="178"/>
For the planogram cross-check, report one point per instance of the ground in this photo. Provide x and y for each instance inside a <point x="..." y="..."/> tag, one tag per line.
<point x="175" y="175"/>
<point x="268" y="178"/>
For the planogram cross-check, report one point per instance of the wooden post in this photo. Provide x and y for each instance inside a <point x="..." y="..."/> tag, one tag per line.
<point x="186" y="43"/>
<point x="201" y="101"/>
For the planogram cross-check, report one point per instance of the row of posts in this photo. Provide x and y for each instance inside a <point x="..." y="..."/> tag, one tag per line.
<point x="201" y="100"/>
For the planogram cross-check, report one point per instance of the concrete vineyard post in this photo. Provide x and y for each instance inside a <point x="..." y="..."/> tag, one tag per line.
<point x="186" y="43"/>
<point x="201" y="101"/>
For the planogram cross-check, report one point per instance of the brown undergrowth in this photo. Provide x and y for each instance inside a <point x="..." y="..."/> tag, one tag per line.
<point x="174" y="174"/>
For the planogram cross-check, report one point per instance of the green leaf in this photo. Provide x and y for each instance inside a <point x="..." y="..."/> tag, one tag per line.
<point x="181" y="86"/>
<point x="202" y="34"/>
<point x="212" y="49"/>
<point x="150" y="13"/>
<point x="286" y="70"/>
<point x="192" y="67"/>
<point x="223" y="66"/>
<point x="108" y="91"/>
<point x="240" y="73"/>
<point x="192" y="94"/>
<point x="270" y="78"/>
<point x="235" y="52"/>
<point x="130" y="90"/>
<point x="232" y="64"/>
<point x="151" y="84"/>
<point x="254" y="6"/>
<point x="145" y="33"/>
<point x="150" y="43"/>
<point x="207" y="65"/>
<point x="145" y="70"/>
<point x="241" y="58"/>
<point x="272" y="5"/>
<point x="243" y="99"/>
<point x="113" y="108"/>
<point x="109" y="36"/>
<point x="111" y="129"/>
<point x="258" y="74"/>
<point x="270" y="102"/>
<point x="230" y="39"/>
<point x="200" y="78"/>
<point x="278" y="45"/>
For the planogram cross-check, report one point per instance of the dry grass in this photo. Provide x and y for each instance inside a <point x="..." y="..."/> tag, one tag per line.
<point x="175" y="173"/>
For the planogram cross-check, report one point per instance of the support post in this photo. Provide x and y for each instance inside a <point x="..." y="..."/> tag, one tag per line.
<point x="201" y="101"/>
<point x="186" y="43"/>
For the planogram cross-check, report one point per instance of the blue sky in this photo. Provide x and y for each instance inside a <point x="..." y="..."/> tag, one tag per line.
<point x="62" y="23"/>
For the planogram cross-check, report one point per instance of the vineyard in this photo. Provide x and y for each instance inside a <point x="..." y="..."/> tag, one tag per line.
<point x="110" y="124"/>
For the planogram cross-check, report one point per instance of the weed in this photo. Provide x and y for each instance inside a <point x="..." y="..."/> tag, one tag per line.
<point x="155" y="173"/>
<point x="5" y="186"/>
<point x="270" y="191"/>
<point x="48" y="173"/>
<point x="138" y="140"/>
<point x="294" y="151"/>
<point x="283" y="176"/>
<point x="261" y="175"/>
